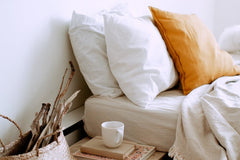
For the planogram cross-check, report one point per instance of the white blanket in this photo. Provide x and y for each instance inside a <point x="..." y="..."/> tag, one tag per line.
<point x="209" y="123"/>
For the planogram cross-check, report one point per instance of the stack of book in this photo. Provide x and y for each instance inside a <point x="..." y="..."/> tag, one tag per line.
<point x="94" y="149"/>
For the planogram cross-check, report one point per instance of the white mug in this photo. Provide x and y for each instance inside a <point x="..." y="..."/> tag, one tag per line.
<point x="112" y="133"/>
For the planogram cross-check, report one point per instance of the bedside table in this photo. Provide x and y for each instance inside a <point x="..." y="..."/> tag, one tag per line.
<point x="156" y="156"/>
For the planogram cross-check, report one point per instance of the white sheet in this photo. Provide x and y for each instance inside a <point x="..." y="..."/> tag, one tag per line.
<point x="154" y="125"/>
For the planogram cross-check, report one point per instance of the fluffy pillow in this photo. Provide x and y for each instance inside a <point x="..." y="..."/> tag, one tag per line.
<point x="89" y="47"/>
<point x="138" y="58"/>
<point x="193" y="48"/>
<point x="236" y="57"/>
<point x="229" y="40"/>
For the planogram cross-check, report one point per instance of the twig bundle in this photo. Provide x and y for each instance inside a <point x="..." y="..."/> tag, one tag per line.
<point x="50" y="126"/>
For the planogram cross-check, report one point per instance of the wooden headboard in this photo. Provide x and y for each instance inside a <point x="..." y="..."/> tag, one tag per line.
<point x="35" y="50"/>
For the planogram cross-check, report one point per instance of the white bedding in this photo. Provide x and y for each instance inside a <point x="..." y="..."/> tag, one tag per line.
<point x="236" y="57"/>
<point x="208" y="124"/>
<point x="153" y="125"/>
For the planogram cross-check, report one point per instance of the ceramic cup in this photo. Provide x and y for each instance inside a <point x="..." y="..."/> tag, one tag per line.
<point x="112" y="133"/>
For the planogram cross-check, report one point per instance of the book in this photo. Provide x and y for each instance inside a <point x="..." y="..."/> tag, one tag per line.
<point x="96" y="146"/>
<point x="141" y="152"/>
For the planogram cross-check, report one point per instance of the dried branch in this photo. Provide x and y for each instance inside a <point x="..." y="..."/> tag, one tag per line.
<point x="35" y="127"/>
<point x="3" y="145"/>
<point x="59" y="110"/>
<point x="71" y="98"/>
<point x="68" y="82"/>
<point x="35" y="124"/>
<point x="49" y="128"/>
<point x="46" y="136"/>
<point x="59" y="92"/>
<point x="43" y="133"/>
<point x="44" y="120"/>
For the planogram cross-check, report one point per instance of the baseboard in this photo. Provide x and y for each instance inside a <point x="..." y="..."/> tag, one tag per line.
<point x="73" y="125"/>
<point x="74" y="133"/>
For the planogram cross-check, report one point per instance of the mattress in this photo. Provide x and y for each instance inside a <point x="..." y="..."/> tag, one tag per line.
<point x="154" y="125"/>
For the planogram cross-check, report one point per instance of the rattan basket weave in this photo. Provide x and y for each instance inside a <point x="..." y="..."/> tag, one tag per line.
<point x="57" y="150"/>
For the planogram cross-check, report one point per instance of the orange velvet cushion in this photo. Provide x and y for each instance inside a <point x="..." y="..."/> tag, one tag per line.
<point x="194" y="50"/>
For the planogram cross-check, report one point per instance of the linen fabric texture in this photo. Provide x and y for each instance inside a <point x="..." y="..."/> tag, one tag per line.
<point x="89" y="47"/>
<point x="138" y="57"/>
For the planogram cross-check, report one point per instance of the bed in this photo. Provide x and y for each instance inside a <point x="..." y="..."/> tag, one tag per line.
<point x="164" y="76"/>
<point x="154" y="125"/>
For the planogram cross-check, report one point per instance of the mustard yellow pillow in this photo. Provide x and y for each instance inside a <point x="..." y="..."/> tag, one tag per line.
<point x="194" y="50"/>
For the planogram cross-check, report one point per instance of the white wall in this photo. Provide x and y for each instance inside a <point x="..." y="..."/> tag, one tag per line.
<point x="35" y="51"/>
<point x="227" y="14"/>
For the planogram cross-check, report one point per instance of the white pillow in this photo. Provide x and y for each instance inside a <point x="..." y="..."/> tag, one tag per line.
<point x="229" y="40"/>
<point x="236" y="57"/>
<point x="89" y="47"/>
<point x="138" y="58"/>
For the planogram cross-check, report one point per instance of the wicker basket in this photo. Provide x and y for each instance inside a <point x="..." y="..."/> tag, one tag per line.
<point x="57" y="150"/>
